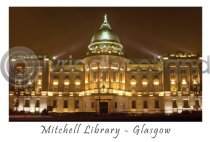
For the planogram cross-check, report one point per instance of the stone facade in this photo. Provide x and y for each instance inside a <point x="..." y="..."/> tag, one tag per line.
<point x="106" y="81"/>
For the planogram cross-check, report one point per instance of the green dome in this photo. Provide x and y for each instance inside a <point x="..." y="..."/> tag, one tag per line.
<point x="105" y="33"/>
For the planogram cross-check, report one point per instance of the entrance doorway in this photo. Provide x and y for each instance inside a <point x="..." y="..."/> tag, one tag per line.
<point x="103" y="107"/>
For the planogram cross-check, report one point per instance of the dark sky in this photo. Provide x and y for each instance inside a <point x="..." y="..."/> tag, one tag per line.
<point x="144" y="32"/>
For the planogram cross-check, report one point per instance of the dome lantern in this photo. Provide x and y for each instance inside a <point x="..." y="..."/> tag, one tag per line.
<point x="105" y="41"/>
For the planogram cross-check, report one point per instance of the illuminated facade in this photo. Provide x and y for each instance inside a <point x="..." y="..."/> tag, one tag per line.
<point x="106" y="81"/>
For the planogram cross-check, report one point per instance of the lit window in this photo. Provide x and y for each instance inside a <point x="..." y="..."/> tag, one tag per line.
<point x="184" y="82"/>
<point x="144" y="82"/>
<point x="66" y="82"/>
<point x="156" y="82"/>
<point x="133" y="82"/>
<point x="195" y="81"/>
<point x="39" y="82"/>
<point x="173" y="82"/>
<point x="55" y="82"/>
<point x="77" y="83"/>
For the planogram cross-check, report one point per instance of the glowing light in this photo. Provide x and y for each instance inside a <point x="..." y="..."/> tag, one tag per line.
<point x="195" y="81"/>
<point x="39" y="82"/>
<point x="151" y="95"/>
<point x="104" y="67"/>
<point x="184" y="82"/>
<point x="133" y="82"/>
<point x="200" y="58"/>
<point x="173" y="82"/>
<point x="161" y="94"/>
<point x="13" y="60"/>
<point x="33" y="93"/>
<point x="54" y="57"/>
<point x="156" y="82"/>
<point x="165" y="58"/>
<point x="144" y="82"/>
<point x="120" y="93"/>
<point x="44" y="93"/>
<point x="115" y="68"/>
<point x="94" y="68"/>
<point x="50" y="93"/>
<point x="55" y="82"/>
<point x="77" y="83"/>
<point x="66" y="82"/>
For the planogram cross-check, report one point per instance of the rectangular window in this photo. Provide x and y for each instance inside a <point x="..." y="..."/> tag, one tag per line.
<point x="133" y="76"/>
<point x="92" y="105"/>
<point x="115" y="105"/>
<point x="121" y="77"/>
<point x="94" y="76"/>
<point x="65" y="104"/>
<point x="183" y="71"/>
<point x="157" y="104"/>
<point x="145" y="104"/>
<point x="186" y="104"/>
<point x="155" y="76"/>
<point x="77" y="76"/>
<point x="104" y="76"/>
<point x="66" y="77"/>
<point x="76" y="105"/>
<point x="144" y="76"/>
<point x="17" y="103"/>
<point x="55" y="76"/>
<point x="172" y="71"/>
<point x="37" y="103"/>
<point x="54" y="103"/>
<point x="114" y="76"/>
<point x="133" y="104"/>
<point x="194" y="71"/>
<point x="174" y="104"/>
<point x="27" y="103"/>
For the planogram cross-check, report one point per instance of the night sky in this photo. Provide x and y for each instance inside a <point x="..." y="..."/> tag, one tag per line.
<point x="144" y="32"/>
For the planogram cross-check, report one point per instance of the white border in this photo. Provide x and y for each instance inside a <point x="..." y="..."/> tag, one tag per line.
<point x="181" y="131"/>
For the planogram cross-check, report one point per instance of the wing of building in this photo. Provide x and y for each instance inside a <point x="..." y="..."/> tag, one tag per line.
<point x="106" y="81"/>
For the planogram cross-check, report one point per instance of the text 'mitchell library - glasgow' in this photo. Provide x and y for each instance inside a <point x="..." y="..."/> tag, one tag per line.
<point x="105" y="81"/>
